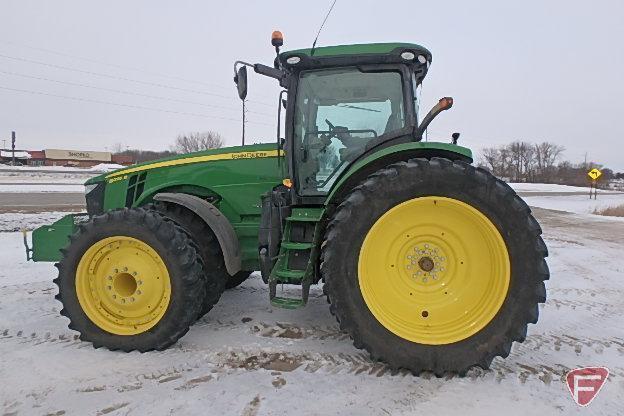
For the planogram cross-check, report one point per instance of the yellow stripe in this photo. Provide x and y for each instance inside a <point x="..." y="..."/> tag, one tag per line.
<point x="197" y="159"/>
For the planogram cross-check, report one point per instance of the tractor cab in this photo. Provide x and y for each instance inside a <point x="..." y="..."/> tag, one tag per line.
<point x="343" y="103"/>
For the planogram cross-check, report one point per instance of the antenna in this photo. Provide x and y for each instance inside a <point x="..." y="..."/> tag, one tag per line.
<point x="321" y="28"/>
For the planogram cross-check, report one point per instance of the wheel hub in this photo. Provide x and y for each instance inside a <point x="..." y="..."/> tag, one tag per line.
<point x="123" y="285"/>
<point x="426" y="264"/>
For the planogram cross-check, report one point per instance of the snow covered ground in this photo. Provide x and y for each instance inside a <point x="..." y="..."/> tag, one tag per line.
<point x="580" y="204"/>
<point x="18" y="221"/>
<point x="45" y="187"/>
<point x="33" y="181"/>
<point x="248" y="358"/>
<point x="550" y="187"/>
<point x="100" y="168"/>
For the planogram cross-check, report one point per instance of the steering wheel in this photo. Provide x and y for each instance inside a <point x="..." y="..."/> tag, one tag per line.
<point x="331" y="126"/>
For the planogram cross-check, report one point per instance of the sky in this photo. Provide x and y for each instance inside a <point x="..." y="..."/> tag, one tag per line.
<point x="141" y="72"/>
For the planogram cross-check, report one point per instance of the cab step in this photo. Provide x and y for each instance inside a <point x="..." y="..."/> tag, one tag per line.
<point x="287" y="303"/>
<point x="297" y="246"/>
<point x="290" y="274"/>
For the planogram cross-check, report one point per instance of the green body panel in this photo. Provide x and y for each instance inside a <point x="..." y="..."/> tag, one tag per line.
<point x="356" y="49"/>
<point x="404" y="147"/>
<point x="234" y="178"/>
<point x="49" y="239"/>
<point x="235" y="185"/>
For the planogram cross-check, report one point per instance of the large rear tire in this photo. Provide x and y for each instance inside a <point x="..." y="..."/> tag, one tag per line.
<point x="130" y="280"/>
<point x="434" y="266"/>
<point x="206" y="244"/>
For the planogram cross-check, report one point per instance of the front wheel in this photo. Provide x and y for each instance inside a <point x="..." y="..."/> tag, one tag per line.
<point x="130" y="280"/>
<point x="434" y="266"/>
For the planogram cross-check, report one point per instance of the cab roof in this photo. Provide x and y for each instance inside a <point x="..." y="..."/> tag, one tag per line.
<point x="360" y="49"/>
<point x="363" y="53"/>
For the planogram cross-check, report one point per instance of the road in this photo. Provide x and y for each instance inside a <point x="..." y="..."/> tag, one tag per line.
<point x="247" y="358"/>
<point x="41" y="201"/>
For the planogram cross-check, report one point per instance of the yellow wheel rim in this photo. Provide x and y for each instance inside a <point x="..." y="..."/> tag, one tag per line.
<point x="123" y="285"/>
<point x="434" y="270"/>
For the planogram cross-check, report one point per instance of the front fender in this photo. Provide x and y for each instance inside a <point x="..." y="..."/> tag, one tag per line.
<point x="217" y="222"/>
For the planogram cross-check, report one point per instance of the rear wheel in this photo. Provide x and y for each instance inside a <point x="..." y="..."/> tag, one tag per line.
<point x="206" y="244"/>
<point x="130" y="280"/>
<point x="237" y="279"/>
<point x="434" y="265"/>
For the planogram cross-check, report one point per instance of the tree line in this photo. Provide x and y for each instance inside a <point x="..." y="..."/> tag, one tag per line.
<point x="521" y="161"/>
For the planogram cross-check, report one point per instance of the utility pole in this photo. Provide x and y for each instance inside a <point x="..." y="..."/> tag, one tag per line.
<point x="13" y="148"/>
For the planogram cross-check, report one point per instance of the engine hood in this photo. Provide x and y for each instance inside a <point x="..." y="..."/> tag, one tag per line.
<point x="226" y="153"/>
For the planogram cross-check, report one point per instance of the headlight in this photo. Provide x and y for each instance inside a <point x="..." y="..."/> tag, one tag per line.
<point x="90" y="187"/>
<point x="94" y="196"/>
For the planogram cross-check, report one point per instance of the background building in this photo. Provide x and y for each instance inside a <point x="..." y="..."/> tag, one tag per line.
<point x="63" y="157"/>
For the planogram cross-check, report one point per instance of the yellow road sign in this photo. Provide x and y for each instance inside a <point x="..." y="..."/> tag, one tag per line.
<point x="594" y="173"/>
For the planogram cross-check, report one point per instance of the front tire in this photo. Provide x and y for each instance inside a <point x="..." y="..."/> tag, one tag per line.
<point x="434" y="266"/>
<point x="130" y="280"/>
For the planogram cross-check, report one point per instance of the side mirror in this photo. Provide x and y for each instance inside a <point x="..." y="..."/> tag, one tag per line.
<point x="241" y="82"/>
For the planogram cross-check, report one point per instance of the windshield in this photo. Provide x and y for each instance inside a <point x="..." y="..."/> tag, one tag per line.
<point x="338" y="112"/>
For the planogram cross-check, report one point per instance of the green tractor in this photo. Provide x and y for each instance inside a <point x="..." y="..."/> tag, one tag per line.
<point x="428" y="262"/>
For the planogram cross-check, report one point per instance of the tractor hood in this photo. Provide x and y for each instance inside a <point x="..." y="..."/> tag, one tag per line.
<point x="226" y="153"/>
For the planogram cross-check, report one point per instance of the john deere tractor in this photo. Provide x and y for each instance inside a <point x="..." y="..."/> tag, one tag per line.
<point x="428" y="262"/>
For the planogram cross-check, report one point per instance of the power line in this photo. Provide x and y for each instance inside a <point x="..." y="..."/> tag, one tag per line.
<point x="99" y="74"/>
<point x="127" y="92"/>
<point x="138" y="107"/>
<point x="82" y="58"/>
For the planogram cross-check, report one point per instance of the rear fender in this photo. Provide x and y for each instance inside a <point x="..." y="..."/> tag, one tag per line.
<point x="372" y="162"/>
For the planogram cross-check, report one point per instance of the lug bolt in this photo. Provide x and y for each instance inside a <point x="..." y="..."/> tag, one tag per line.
<point x="125" y="269"/>
<point x="109" y="288"/>
<point x="140" y="282"/>
<point x="114" y="296"/>
<point x="134" y="273"/>
<point x="123" y="301"/>
<point x="116" y="270"/>
<point x="425" y="279"/>
<point x="138" y="292"/>
<point x="131" y="299"/>
<point x="110" y="277"/>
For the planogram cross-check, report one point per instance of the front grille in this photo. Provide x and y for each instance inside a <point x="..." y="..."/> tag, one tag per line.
<point x="136" y="183"/>
<point x="95" y="200"/>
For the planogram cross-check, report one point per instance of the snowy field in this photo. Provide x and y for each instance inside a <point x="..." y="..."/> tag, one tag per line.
<point x="551" y="188"/>
<point x="247" y="358"/>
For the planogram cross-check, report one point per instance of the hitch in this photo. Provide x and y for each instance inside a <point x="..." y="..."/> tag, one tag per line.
<point x="29" y="250"/>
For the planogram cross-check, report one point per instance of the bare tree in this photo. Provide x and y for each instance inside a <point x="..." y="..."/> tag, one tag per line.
<point x="490" y="158"/>
<point x="546" y="155"/>
<point x="195" y="142"/>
